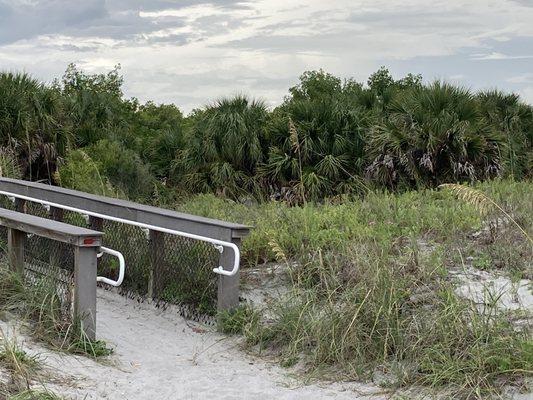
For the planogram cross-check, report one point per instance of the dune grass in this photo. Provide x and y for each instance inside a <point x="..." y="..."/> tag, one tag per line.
<point x="39" y="305"/>
<point x="21" y="372"/>
<point x="370" y="290"/>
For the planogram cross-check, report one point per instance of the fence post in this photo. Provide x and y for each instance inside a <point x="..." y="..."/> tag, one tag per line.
<point x="96" y="223"/>
<point x="57" y="253"/>
<point x="85" y="289"/>
<point x="15" y="247"/>
<point x="20" y="205"/>
<point x="228" y="286"/>
<point x="157" y="247"/>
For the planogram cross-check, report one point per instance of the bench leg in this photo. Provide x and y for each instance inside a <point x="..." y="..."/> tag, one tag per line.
<point x="85" y="289"/>
<point x="15" y="244"/>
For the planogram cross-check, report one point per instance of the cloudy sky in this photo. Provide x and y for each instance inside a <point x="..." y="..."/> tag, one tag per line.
<point x="191" y="52"/>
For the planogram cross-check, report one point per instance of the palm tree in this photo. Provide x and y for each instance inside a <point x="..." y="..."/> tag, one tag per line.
<point x="433" y="134"/>
<point x="224" y="147"/>
<point x="326" y="153"/>
<point x="30" y="124"/>
<point x="514" y="120"/>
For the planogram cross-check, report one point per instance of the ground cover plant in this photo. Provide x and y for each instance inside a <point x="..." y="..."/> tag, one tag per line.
<point x="20" y="372"/>
<point x="38" y="304"/>
<point x="370" y="290"/>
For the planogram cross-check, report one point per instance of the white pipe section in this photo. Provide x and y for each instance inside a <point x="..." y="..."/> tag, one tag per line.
<point x="122" y="267"/>
<point x="220" y="270"/>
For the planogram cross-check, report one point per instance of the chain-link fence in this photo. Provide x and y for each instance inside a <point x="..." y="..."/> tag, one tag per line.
<point x="168" y="268"/>
<point x="46" y="262"/>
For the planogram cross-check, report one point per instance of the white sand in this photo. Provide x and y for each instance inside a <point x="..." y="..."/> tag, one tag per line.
<point x="484" y="286"/>
<point x="158" y="355"/>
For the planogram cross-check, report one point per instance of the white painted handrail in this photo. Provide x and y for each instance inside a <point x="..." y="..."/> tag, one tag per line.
<point x="122" y="267"/>
<point x="219" y="270"/>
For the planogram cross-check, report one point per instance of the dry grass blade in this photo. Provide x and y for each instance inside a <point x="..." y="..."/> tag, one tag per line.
<point x="21" y="366"/>
<point x="295" y="141"/>
<point x="277" y="250"/>
<point x="481" y="202"/>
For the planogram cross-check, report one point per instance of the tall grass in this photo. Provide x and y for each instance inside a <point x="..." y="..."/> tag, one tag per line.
<point x="39" y="305"/>
<point x="21" y="372"/>
<point x="432" y="214"/>
<point x="370" y="290"/>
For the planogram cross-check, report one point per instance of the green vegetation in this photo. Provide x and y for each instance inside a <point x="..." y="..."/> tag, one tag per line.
<point x="20" y="370"/>
<point x="369" y="288"/>
<point x="39" y="304"/>
<point x="236" y="321"/>
<point x="341" y="184"/>
<point x="328" y="138"/>
<point x="15" y="360"/>
<point x="34" y="395"/>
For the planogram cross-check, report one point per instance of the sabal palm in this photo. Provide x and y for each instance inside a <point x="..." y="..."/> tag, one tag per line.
<point x="433" y="134"/>
<point x="514" y="120"/>
<point x="224" y="147"/>
<point x="30" y="123"/>
<point x="329" y="146"/>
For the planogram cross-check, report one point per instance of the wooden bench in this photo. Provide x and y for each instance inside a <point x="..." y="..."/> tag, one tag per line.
<point x="86" y="244"/>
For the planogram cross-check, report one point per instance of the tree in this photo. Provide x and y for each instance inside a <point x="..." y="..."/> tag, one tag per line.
<point x="30" y="124"/>
<point x="316" y="138"/>
<point x="224" y="147"/>
<point x="94" y="106"/>
<point x="158" y="133"/>
<point x="433" y="134"/>
<point x="514" y="121"/>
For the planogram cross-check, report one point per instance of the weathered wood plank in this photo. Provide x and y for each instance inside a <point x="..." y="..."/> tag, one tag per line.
<point x="127" y="210"/>
<point x="15" y="246"/>
<point x="157" y="259"/>
<point x="55" y="230"/>
<point x="85" y="289"/>
<point x="228" y="286"/>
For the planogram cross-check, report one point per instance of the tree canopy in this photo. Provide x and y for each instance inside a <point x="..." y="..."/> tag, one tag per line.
<point x="329" y="137"/>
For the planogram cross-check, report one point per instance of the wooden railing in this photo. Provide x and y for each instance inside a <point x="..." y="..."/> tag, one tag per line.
<point x="228" y="286"/>
<point x="86" y="243"/>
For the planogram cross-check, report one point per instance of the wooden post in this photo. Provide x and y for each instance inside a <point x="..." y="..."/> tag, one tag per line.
<point x="20" y="205"/>
<point x="228" y="286"/>
<point x="157" y="258"/>
<point x="85" y="289"/>
<point x="57" y="253"/>
<point x="96" y="223"/>
<point x="56" y="214"/>
<point x="15" y="247"/>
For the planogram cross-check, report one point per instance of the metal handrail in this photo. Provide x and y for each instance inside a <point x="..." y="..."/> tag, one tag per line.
<point x="122" y="267"/>
<point x="219" y="270"/>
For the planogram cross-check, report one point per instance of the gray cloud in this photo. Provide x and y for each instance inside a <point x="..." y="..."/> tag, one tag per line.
<point x="21" y="20"/>
<point x="115" y="19"/>
<point x="191" y="52"/>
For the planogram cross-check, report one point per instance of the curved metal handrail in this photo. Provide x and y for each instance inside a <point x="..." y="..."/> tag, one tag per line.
<point x="122" y="267"/>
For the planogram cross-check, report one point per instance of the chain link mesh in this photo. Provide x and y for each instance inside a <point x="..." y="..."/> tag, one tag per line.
<point x="170" y="269"/>
<point x="46" y="261"/>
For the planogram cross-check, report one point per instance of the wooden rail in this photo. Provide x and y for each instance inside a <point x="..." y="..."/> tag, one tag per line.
<point x="86" y="243"/>
<point x="228" y="286"/>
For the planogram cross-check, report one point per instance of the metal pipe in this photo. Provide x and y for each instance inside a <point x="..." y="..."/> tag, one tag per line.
<point x="220" y="270"/>
<point x="122" y="267"/>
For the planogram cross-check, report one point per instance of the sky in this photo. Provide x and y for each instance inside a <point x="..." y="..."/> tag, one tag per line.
<point x="191" y="53"/>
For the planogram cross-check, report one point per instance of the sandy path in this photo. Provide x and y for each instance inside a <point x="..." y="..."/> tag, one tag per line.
<point x="159" y="355"/>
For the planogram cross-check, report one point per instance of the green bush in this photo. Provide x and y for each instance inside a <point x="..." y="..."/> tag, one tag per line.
<point x="124" y="169"/>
